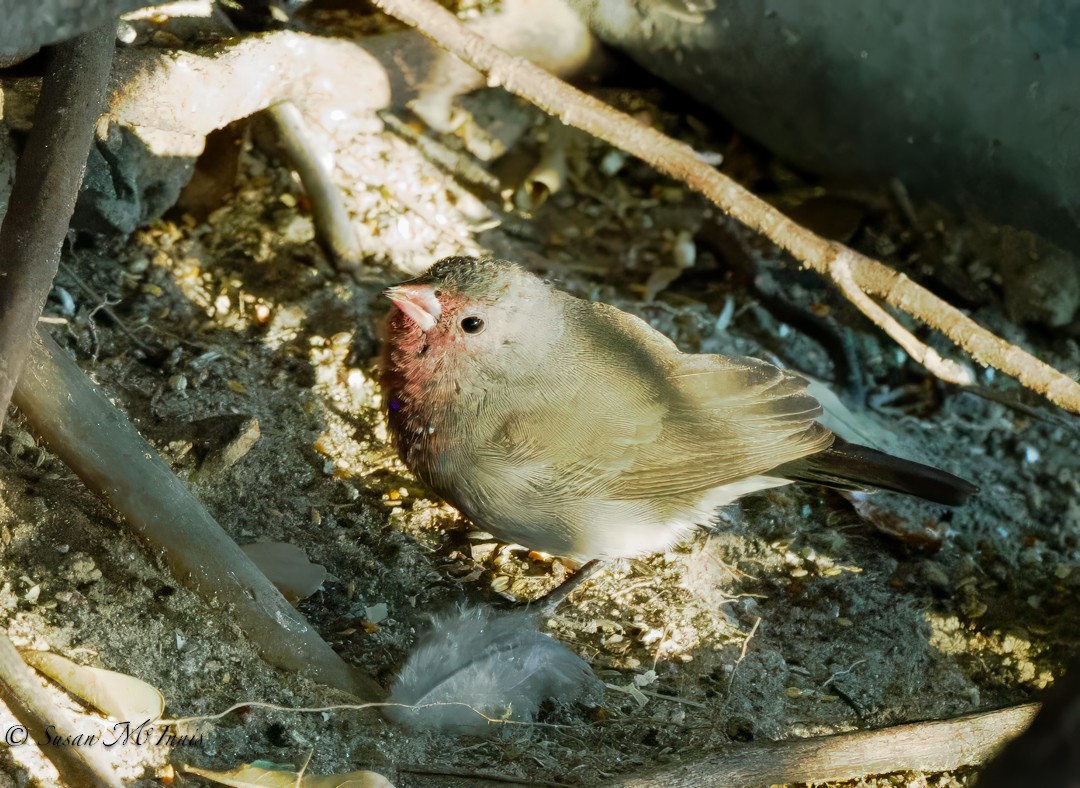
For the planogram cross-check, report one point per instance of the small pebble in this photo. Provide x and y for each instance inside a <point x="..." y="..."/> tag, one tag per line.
<point x="612" y="162"/>
<point x="375" y="614"/>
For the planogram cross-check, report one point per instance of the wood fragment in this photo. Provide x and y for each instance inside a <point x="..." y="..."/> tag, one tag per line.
<point x="235" y="450"/>
<point x="682" y="162"/>
<point x="938" y="746"/>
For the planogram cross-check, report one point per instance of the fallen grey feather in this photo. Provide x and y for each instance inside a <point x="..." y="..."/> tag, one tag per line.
<point x="476" y="664"/>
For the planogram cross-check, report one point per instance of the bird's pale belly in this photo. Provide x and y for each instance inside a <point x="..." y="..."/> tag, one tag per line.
<point x="583" y="528"/>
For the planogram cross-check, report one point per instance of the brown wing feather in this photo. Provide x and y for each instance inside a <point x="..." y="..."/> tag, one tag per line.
<point x="721" y="419"/>
<point x="733" y="418"/>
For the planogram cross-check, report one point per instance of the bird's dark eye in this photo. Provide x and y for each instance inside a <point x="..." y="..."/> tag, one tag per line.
<point x="472" y="325"/>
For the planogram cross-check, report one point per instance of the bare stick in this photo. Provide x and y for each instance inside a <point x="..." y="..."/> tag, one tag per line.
<point x="47" y="180"/>
<point x="96" y="440"/>
<point x="332" y="222"/>
<point x="742" y="656"/>
<point x="944" y="368"/>
<point x="681" y="161"/>
<point x="24" y="696"/>
<point x="938" y="746"/>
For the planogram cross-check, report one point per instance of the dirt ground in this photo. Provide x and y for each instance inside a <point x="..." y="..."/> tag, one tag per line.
<point x="794" y="616"/>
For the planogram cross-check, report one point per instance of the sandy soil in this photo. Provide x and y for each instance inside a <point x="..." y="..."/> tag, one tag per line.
<point x="794" y="616"/>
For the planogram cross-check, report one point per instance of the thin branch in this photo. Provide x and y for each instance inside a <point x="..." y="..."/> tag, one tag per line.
<point x="25" y="698"/>
<point x="742" y="656"/>
<point x="938" y="746"/>
<point x="680" y="161"/>
<point x="47" y="180"/>
<point x="332" y="222"/>
<point x="944" y="368"/>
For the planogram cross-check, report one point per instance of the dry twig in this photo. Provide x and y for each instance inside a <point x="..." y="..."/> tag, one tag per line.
<point x="332" y="222"/>
<point x="938" y="746"/>
<point x="742" y="656"/>
<point x="944" y="368"/>
<point x="47" y="180"/>
<point x="681" y="161"/>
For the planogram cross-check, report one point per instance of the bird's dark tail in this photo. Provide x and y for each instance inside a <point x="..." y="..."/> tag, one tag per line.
<point x="849" y="466"/>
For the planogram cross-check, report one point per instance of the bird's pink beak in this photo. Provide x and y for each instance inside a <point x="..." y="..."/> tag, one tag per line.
<point x="418" y="302"/>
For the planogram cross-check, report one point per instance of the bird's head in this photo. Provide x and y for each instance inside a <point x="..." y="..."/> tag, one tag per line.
<point x="470" y="321"/>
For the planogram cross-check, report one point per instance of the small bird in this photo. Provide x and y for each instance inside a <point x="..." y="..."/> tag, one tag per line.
<point x="573" y="428"/>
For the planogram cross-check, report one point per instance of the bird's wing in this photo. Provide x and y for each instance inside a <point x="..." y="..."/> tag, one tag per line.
<point x="729" y="418"/>
<point x="714" y="419"/>
<point x="576" y="432"/>
<point x="625" y="416"/>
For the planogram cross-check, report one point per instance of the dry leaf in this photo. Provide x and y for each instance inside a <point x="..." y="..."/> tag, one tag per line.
<point x="117" y="695"/>
<point x="287" y="567"/>
<point x="262" y="774"/>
